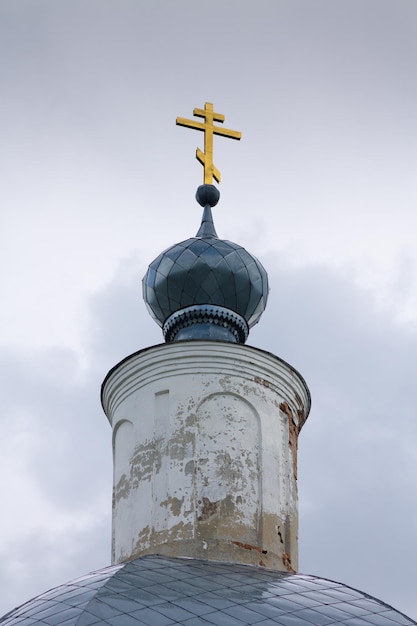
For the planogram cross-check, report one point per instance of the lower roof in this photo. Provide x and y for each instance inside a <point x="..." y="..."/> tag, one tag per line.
<point x="159" y="591"/>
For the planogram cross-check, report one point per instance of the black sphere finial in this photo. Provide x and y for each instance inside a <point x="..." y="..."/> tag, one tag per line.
<point x="207" y="195"/>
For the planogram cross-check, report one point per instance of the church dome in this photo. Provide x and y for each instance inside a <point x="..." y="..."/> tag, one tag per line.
<point x="206" y="287"/>
<point x="157" y="590"/>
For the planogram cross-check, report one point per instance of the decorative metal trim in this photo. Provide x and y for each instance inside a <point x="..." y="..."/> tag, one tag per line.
<point x="206" y="314"/>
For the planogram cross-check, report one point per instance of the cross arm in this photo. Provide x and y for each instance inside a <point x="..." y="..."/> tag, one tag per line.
<point x="181" y="121"/>
<point x="226" y="132"/>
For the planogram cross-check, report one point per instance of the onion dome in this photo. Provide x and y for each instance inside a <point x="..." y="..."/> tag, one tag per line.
<point x="160" y="590"/>
<point x="206" y="287"/>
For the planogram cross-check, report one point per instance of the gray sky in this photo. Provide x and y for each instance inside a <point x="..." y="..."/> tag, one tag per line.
<point x="96" y="179"/>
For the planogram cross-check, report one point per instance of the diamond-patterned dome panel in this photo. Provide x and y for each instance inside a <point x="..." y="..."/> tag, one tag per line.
<point x="174" y="293"/>
<point x="221" y="265"/>
<point x="187" y="259"/>
<point x="174" y="252"/>
<point x="242" y="280"/>
<point x="218" y="297"/>
<point x="200" y="246"/>
<point x="211" y="254"/>
<point x="165" y="265"/>
<point x="210" y="284"/>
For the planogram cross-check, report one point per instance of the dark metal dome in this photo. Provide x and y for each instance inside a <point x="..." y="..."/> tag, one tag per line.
<point x="161" y="591"/>
<point x="206" y="287"/>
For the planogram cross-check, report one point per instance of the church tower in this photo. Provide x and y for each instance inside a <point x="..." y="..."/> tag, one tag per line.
<point x="205" y="428"/>
<point x="205" y="435"/>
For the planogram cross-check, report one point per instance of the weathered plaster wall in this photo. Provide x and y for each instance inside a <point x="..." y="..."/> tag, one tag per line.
<point x="205" y="443"/>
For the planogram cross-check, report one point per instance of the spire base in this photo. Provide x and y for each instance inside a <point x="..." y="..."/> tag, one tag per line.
<point x="205" y="322"/>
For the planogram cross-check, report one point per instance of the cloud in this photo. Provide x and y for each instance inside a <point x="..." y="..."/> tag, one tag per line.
<point x="55" y="460"/>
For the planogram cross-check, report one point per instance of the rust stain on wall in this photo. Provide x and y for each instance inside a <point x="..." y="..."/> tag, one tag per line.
<point x="293" y="431"/>
<point x="262" y="381"/>
<point x="248" y="546"/>
<point x="301" y="418"/>
<point x="286" y="561"/>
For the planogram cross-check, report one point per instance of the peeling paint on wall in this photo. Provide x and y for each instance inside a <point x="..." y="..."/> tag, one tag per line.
<point x="174" y="504"/>
<point x="227" y="459"/>
<point x="205" y="459"/>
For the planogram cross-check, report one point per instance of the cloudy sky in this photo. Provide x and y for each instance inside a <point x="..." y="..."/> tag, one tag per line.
<point x="96" y="180"/>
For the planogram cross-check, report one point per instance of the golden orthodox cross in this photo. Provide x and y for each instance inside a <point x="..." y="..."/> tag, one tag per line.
<point x="206" y="157"/>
